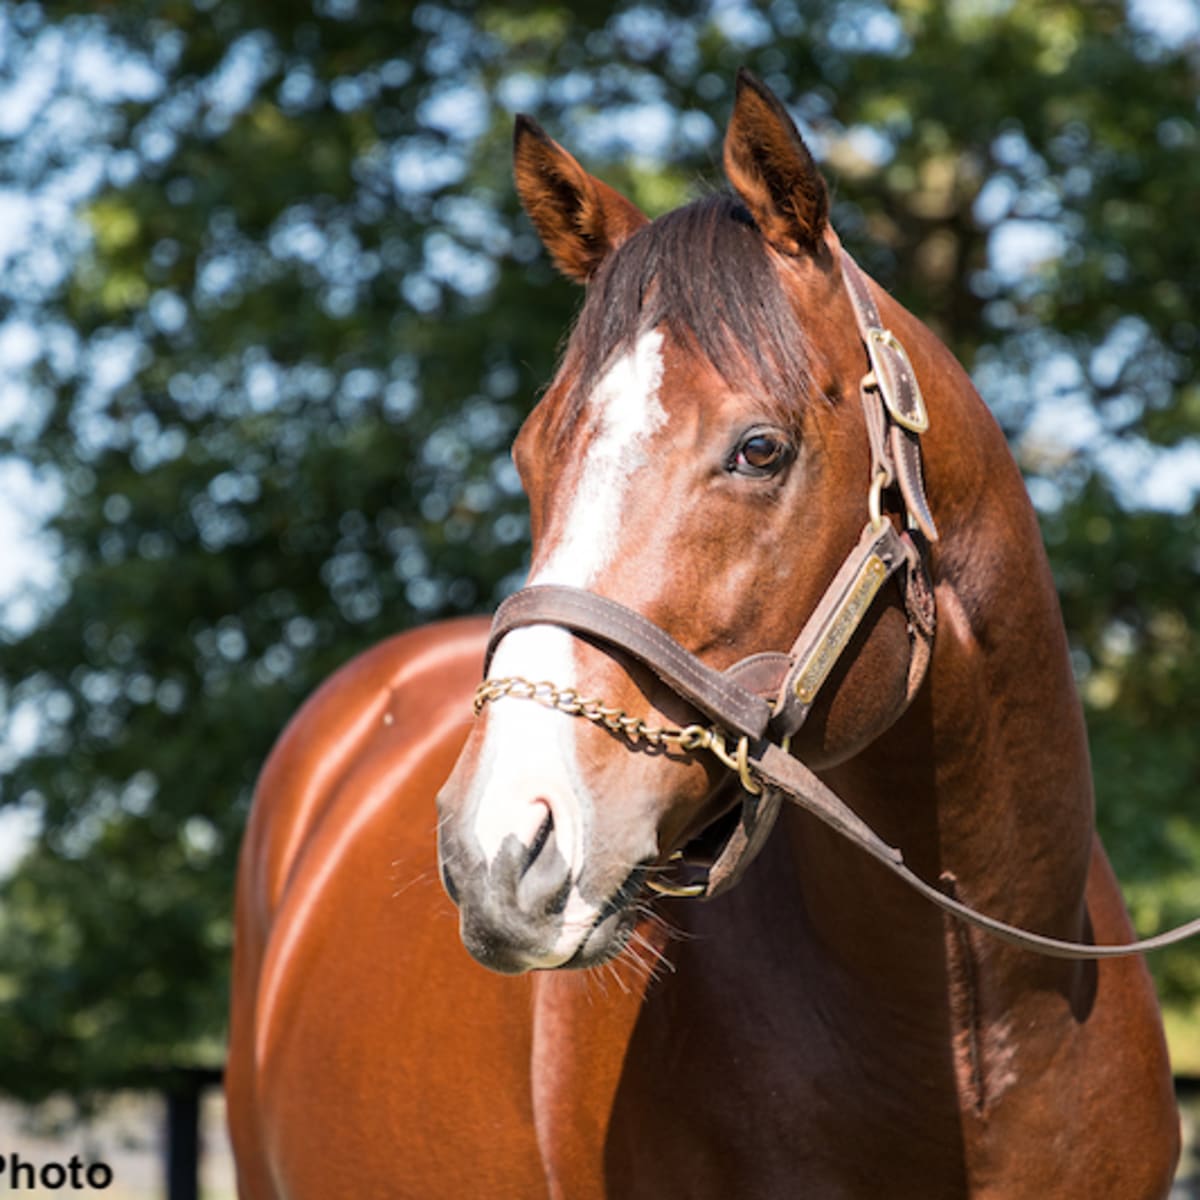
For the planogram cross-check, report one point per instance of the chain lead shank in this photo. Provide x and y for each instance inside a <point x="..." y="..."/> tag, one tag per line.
<point x="567" y="700"/>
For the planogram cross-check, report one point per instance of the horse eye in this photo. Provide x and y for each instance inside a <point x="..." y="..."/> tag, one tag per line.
<point x="760" y="454"/>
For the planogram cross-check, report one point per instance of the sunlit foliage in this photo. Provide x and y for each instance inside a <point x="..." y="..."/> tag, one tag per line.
<point x="269" y="319"/>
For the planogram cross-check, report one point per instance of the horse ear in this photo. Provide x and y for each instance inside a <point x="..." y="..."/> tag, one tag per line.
<point x="580" y="220"/>
<point x="771" y="169"/>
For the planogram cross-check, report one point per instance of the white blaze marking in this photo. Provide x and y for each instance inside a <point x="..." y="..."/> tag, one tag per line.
<point x="625" y="411"/>
<point x="529" y="751"/>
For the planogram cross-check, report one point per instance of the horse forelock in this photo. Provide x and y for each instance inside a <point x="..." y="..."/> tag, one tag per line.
<point x="705" y="273"/>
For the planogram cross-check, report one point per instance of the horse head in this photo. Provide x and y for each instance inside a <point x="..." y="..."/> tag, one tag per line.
<point x="701" y="458"/>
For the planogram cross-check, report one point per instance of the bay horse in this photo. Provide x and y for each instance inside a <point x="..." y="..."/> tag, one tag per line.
<point x="727" y="425"/>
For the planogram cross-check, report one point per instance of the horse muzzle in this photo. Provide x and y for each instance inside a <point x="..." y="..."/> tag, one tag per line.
<point x="511" y="906"/>
<point x="523" y="907"/>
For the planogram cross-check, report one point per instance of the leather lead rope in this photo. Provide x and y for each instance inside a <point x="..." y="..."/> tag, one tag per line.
<point x="779" y="770"/>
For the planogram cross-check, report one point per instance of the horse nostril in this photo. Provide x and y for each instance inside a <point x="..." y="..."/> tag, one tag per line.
<point x="544" y="880"/>
<point x="448" y="884"/>
<point x="540" y="838"/>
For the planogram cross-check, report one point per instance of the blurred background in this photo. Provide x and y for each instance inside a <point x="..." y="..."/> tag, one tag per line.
<point x="269" y="318"/>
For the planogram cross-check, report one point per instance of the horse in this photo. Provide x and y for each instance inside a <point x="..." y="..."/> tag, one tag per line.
<point x="725" y="427"/>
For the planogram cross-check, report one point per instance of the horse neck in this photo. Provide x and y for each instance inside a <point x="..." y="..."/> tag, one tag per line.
<point x="984" y="782"/>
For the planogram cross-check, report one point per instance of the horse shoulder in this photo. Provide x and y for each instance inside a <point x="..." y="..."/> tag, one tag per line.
<point x="385" y="699"/>
<point x="367" y="1050"/>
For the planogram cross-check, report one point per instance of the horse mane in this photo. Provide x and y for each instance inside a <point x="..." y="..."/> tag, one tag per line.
<point x="705" y="273"/>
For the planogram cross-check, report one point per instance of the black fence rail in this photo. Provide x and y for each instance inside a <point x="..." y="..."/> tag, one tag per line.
<point x="1187" y="1179"/>
<point x="184" y="1095"/>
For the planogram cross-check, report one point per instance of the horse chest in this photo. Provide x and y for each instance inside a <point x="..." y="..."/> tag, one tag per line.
<point x="759" y="1089"/>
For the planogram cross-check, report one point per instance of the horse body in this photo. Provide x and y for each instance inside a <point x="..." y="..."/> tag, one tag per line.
<point x="818" y="1030"/>
<point x="370" y="1056"/>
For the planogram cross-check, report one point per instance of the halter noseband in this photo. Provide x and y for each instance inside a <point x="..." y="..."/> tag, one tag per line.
<point x="735" y="700"/>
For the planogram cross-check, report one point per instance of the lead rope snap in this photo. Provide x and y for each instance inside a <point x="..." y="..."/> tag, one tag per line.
<point x="738" y="761"/>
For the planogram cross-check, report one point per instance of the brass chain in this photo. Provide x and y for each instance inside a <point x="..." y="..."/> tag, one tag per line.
<point x="568" y="700"/>
<point x="689" y="738"/>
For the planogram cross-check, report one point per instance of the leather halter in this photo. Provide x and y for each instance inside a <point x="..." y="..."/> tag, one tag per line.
<point x="734" y="699"/>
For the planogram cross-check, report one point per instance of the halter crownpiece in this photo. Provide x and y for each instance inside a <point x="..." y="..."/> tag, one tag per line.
<point x="734" y="700"/>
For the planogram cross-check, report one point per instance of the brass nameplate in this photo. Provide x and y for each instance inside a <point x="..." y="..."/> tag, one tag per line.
<point x="846" y="620"/>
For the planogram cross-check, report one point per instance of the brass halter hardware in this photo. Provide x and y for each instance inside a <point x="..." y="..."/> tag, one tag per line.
<point x="676" y="891"/>
<point x="875" y="499"/>
<point x="616" y="720"/>
<point x="688" y="738"/>
<point x="915" y="418"/>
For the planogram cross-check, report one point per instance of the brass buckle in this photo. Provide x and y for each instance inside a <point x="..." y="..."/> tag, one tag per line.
<point x="916" y="421"/>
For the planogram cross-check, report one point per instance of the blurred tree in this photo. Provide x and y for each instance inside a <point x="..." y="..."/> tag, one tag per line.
<point x="276" y="381"/>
